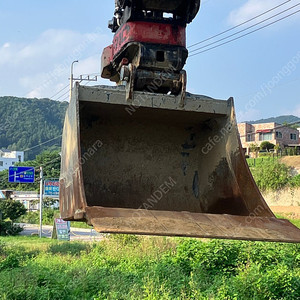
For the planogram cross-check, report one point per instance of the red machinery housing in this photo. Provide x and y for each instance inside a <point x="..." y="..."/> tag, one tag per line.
<point x="149" y="45"/>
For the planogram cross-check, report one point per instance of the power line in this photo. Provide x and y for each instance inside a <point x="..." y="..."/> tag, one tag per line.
<point x="267" y="25"/>
<point x="232" y="28"/>
<point x="245" y="29"/>
<point x="58" y="99"/>
<point x="46" y="142"/>
<point x="65" y="99"/>
<point x="59" y="91"/>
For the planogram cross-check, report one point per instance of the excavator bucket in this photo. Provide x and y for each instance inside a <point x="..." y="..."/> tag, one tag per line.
<point x="161" y="165"/>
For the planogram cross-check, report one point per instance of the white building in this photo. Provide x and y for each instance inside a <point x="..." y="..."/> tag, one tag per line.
<point x="9" y="158"/>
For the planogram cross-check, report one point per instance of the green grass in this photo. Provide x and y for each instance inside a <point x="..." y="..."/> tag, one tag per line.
<point x="48" y="218"/>
<point x="131" y="267"/>
<point x="80" y="225"/>
<point x="271" y="175"/>
<point x="290" y="217"/>
<point x="255" y="162"/>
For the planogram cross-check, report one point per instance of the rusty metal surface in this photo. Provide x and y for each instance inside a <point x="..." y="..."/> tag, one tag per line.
<point x="165" y="223"/>
<point x="71" y="193"/>
<point x="116" y="95"/>
<point x="163" y="159"/>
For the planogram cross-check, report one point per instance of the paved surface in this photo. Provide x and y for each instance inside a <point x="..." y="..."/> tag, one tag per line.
<point x="77" y="234"/>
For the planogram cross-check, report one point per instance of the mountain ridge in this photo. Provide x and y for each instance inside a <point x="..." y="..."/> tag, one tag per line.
<point x="280" y="120"/>
<point x="26" y="123"/>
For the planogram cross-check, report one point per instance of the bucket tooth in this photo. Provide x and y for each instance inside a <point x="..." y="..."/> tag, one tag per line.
<point x="161" y="166"/>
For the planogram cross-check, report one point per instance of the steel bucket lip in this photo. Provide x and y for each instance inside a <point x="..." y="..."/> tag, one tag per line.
<point x="197" y="225"/>
<point x="116" y="95"/>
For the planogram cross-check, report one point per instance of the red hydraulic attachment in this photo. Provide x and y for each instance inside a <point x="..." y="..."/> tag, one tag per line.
<point x="149" y="45"/>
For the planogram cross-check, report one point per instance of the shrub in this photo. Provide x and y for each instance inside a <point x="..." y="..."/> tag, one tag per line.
<point x="10" y="262"/>
<point x="194" y="269"/>
<point x="295" y="181"/>
<point x="267" y="146"/>
<point x="9" y="228"/>
<point x="125" y="239"/>
<point x="272" y="176"/>
<point x="12" y="209"/>
<point x="214" y="257"/>
<point x="33" y="217"/>
<point x="67" y="248"/>
<point x="2" y="248"/>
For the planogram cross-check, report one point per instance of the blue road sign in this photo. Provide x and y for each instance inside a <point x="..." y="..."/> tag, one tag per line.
<point x="21" y="174"/>
<point x="51" y="187"/>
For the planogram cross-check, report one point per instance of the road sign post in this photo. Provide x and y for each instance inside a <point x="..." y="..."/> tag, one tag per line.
<point x="61" y="230"/>
<point x="51" y="187"/>
<point x="41" y="200"/>
<point x="21" y="174"/>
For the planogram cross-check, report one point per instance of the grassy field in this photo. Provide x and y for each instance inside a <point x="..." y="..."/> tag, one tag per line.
<point x="131" y="267"/>
<point x="254" y="162"/>
<point x="291" y="217"/>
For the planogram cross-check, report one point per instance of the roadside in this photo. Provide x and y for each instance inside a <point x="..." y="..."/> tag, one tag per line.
<point x="76" y="234"/>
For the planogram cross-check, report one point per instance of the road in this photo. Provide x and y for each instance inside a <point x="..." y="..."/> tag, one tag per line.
<point x="77" y="234"/>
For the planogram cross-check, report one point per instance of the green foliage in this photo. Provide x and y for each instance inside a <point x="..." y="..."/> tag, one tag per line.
<point x="10" y="262"/>
<point x="293" y="126"/>
<point x="152" y="268"/>
<point x="33" y="217"/>
<point x="260" y="161"/>
<point x="266" y="155"/>
<point x="2" y="248"/>
<point x="286" y="119"/>
<point x="9" y="228"/>
<point x="125" y="239"/>
<point x="12" y="209"/>
<point x="26" y="123"/>
<point x="69" y="248"/>
<point x="266" y="146"/>
<point x="295" y="181"/>
<point x="274" y="176"/>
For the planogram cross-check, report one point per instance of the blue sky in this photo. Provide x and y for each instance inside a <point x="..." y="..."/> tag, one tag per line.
<point x="40" y="39"/>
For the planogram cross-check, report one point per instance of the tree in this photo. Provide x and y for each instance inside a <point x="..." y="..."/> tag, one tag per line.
<point x="12" y="209"/>
<point x="277" y="148"/>
<point x="293" y="125"/>
<point x="38" y="121"/>
<point x="254" y="148"/>
<point x="266" y="146"/>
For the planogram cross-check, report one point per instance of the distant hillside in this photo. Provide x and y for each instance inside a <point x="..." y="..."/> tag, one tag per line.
<point x="279" y="120"/>
<point x="25" y="123"/>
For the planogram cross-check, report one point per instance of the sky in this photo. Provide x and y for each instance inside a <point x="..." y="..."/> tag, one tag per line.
<point x="40" y="39"/>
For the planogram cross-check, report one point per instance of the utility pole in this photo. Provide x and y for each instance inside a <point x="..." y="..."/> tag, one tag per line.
<point x="41" y="199"/>
<point x="72" y="77"/>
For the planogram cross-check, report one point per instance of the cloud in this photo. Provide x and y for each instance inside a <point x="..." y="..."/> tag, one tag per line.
<point x="293" y="110"/>
<point x="251" y="9"/>
<point x="41" y="67"/>
<point x="52" y="81"/>
<point x="248" y="115"/>
<point x="296" y="112"/>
